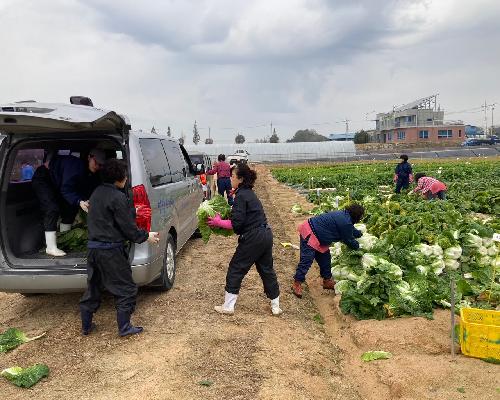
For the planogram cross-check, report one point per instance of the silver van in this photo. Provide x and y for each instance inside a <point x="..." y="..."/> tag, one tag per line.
<point x="162" y="186"/>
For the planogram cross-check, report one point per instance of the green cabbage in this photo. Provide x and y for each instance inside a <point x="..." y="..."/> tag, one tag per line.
<point x="14" y="337"/>
<point x="216" y="205"/>
<point x="26" y="377"/>
<point x="453" y="253"/>
<point x="375" y="355"/>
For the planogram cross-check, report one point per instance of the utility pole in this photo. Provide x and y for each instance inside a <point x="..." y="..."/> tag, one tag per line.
<point x="346" y="127"/>
<point x="492" y="109"/>
<point x="485" y="119"/>
<point x="486" y="106"/>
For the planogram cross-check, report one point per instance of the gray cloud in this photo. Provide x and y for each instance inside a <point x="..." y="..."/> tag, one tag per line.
<point x="242" y="64"/>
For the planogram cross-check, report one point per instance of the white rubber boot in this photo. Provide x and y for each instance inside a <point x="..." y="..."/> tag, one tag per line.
<point x="52" y="250"/>
<point x="275" y="306"/>
<point x="229" y="303"/>
<point x="64" y="227"/>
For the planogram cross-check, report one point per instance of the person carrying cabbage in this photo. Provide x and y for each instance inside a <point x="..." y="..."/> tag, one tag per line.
<point x="255" y="244"/>
<point x="316" y="236"/>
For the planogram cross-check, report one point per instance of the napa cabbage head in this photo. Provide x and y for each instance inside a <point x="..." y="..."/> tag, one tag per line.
<point x="425" y="249"/>
<point x="367" y="241"/>
<point x="342" y="286"/>
<point x="361" y="227"/>
<point x="437" y="250"/>
<point x="369" y="260"/>
<point x="437" y="267"/>
<point x="451" y="264"/>
<point x="453" y="253"/>
<point x="216" y="205"/>
<point x="472" y="240"/>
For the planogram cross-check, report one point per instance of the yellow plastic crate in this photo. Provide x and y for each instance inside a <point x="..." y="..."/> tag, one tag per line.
<point x="480" y="333"/>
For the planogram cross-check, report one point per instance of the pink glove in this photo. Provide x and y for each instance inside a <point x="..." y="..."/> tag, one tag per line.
<point x="218" y="222"/>
<point x="411" y="178"/>
<point x="395" y="178"/>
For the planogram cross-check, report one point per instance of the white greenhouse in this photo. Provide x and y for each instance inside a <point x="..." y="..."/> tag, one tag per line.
<point x="280" y="152"/>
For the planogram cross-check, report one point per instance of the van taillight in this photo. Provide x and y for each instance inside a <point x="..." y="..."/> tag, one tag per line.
<point x="142" y="207"/>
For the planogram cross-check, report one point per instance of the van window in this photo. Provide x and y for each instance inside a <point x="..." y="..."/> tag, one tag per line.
<point x="25" y="164"/>
<point x="156" y="163"/>
<point x="178" y="166"/>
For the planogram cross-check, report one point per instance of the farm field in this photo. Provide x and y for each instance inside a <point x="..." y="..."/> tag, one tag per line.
<point x="312" y="351"/>
<point x="412" y="248"/>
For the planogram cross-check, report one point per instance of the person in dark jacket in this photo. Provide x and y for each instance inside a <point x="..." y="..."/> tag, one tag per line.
<point x="62" y="185"/>
<point x="255" y="244"/>
<point x="111" y="222"/>
<point x="403" y="174"/>
<point x="316" y="236"/>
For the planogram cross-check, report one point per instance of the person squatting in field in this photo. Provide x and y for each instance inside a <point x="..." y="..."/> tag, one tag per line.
<point x="403" y="174"/>
<point x="429" y="187"/>
<point x="111" y="221"/>
<point x="223" y="171"/>
<point x="316" y="236"/>
<point x="255" y="242"/>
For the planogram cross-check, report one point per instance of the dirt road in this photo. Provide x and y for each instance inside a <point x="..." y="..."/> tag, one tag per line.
<point x="252" y="355"/>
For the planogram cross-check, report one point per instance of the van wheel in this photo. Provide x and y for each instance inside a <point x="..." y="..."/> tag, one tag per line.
<point x="167" y="276"/>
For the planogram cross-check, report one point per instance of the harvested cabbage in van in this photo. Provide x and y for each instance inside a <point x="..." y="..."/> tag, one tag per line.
<point x="74" y="240"/>
<point x="26" y="377"/>
<point x="216" y="205"/>
<point x="14" y="337"/>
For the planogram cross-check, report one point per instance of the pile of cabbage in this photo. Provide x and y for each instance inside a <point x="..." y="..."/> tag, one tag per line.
<point x="398" y="275"/>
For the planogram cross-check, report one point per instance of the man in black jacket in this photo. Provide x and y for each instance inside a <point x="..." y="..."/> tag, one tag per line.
<point x="63" y="184"/>
<point x="110" y="223"/>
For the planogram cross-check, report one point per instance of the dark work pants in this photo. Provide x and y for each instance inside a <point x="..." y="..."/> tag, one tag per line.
<point x="441" y="195"/>
<point x="224" y="186"/>
<point x="402" y="184"/>
<point x="52" y="204"/>
<point x="254" y="247"/>
<point x="109" y="269"/>
<point x="307" y="256"/>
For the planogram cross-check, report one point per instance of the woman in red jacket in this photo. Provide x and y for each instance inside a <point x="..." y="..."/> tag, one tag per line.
<point x="223" y="171"/>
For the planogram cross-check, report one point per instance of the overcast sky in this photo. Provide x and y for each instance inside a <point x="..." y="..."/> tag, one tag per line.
<point x="238" y="65"/>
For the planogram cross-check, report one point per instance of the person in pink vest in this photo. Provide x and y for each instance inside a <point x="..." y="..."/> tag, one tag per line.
<point x="430" y="187"/>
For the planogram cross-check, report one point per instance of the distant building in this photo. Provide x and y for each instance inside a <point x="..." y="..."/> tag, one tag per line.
<point x="473" y="131"/>
<point x="341" y="137"/>
<point x="418" y="121"/>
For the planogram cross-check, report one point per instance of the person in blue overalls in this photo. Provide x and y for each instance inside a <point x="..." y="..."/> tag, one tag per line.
<point x="403" y="174"/>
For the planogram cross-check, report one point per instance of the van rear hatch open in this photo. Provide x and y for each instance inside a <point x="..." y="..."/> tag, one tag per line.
<point x="28" y="125"/>
<point x="25" y="118"/>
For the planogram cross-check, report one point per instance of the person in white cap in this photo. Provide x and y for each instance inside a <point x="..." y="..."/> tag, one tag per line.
<point x="63" y="184"/>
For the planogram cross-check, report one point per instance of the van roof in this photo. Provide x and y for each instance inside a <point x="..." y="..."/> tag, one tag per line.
<point x="30" y="115"/>
<point x="147" y="135"/>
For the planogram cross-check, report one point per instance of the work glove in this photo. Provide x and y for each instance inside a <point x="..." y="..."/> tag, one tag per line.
<point x="153" y="237"/>
<point x="218" y="222"/>
<point x="84" y="205"/>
